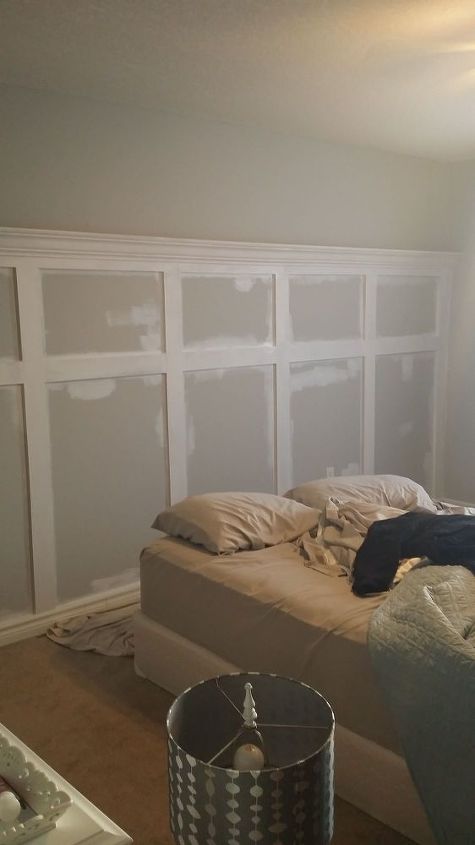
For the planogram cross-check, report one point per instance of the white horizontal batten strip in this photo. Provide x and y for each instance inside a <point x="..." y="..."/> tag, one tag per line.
<point x="413" y="275"/>
<point x="325" y="350"/>
<point x="228" y="357"/>
<point x="203" y="268"/>
<point x="409" y="343"/>
<point x="102" y="263"/>
<point x="80" y="367"/>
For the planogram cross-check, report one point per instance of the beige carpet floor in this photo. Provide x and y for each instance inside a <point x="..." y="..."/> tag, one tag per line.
<point x="103" y="728"/>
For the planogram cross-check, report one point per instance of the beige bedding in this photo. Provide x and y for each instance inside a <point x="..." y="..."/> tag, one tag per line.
<point x="265" y="610"/>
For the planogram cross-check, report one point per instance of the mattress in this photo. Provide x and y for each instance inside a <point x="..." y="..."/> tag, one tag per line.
<point x="266" y="611"/>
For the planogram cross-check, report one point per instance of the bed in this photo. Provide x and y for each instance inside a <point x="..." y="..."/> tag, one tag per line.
<point x="204" y="614"/>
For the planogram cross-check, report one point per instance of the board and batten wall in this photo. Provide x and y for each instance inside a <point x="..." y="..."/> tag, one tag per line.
<point x="135" y="371"/>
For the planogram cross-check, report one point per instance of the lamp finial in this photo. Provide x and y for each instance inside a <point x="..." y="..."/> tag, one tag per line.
<point x="249" y="712"/>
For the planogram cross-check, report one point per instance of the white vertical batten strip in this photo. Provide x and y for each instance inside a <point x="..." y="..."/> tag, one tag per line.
<point x="283" y="444"/>
<point x="441" y="376"/>
<point x="369" y="372"/>
<point x="31" y="319"/>
<point x="176" y="410"/>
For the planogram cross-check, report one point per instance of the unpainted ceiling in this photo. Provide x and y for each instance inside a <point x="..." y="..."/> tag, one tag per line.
<point x="393" y="74"/>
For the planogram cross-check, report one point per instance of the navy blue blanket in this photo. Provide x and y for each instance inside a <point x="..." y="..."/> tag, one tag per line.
<point x="442" y="539"/>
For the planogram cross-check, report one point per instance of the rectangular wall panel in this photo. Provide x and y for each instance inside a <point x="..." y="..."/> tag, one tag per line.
<point x="109" y="477"/>
<point x="15" y="562"/>
<point x="223" y="311"/>
<point x="102" y="311"/>
<point x="230" y="429"/>
<point x="325" y="307"/>
<point x="325" y="418"/>
<point x="9" y="334"/>
<point x="405" y="305"/>
<point x="404" y="415"/>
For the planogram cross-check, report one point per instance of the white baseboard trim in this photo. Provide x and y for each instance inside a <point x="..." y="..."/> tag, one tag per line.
<point x="22" y="627"/>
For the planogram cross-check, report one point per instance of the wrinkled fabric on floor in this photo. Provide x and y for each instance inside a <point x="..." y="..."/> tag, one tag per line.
<point x="109" y="632"/>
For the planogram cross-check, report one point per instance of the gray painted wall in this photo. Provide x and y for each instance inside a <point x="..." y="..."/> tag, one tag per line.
<point x="73" y="163"/>
<point x="460" y="439"/>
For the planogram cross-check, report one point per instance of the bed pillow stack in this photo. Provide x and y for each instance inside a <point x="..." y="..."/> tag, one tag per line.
<point x="392" y="490"/>
<point x="227" y="522"/>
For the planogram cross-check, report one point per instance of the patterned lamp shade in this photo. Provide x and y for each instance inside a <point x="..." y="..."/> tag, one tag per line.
<point x="216" y="798"/>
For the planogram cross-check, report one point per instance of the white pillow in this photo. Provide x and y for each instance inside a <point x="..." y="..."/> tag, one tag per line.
<point x="227" y="522"/>
<point x="392" y="490"/>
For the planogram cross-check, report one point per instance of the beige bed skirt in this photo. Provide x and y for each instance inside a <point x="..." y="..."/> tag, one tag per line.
<point x="368" y="776"/>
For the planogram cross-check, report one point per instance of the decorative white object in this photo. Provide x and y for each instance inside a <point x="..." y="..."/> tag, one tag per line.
<point x="47" y="802"/>
<point x="249" y="712"/>
<point x="249" y="756"/>
<point x="10" y="806"/>
<point x="49" y="797"/>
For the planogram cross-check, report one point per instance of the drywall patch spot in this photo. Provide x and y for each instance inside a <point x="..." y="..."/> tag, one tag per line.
<point x="306" y="376"/>
<point x="101" y="310"/>
<point x="144" y="316"/>
<point x="150" y="342"/>
<point x="147" y="314"/>
<point x="245" y="283"/>
<point x="99" y="389"/>
<point x="152" y="380"/>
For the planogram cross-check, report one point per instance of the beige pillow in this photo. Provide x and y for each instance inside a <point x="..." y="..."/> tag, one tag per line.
<point x="226" y="522"/>
<point x="392" y="490"/>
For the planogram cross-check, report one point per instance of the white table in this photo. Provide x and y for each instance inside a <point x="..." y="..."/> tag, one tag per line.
<point x="82" y="822"/>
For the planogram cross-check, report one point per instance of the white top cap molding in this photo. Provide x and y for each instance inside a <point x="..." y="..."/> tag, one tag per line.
<point x="54" y="244"/>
